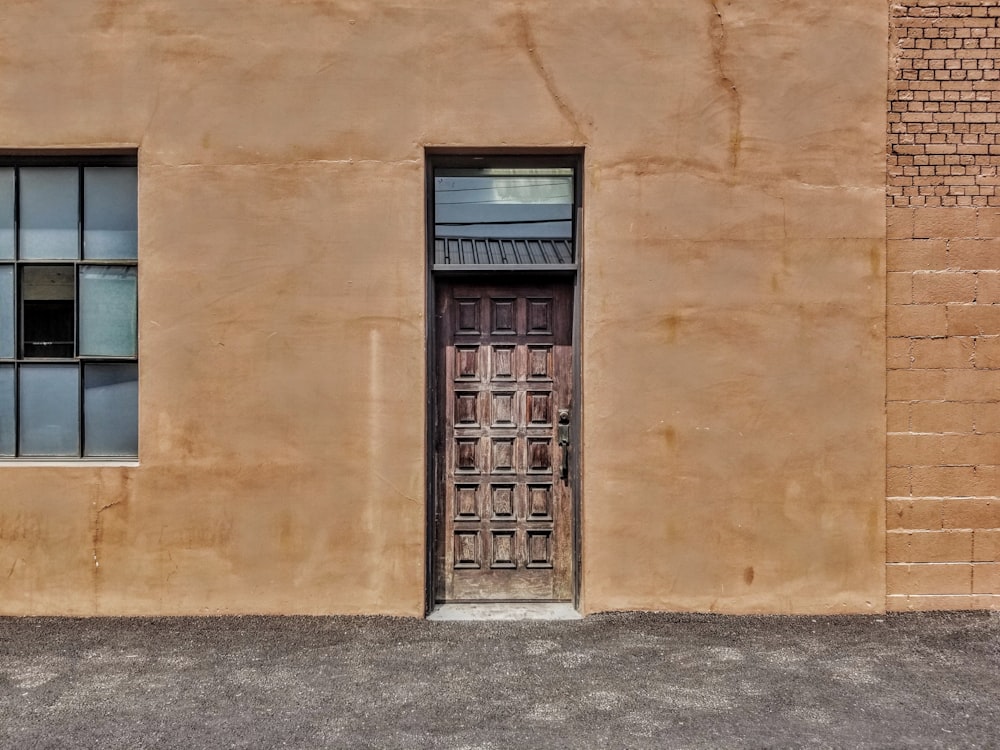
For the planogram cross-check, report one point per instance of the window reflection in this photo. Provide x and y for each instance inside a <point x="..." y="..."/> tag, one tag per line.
<point x="504" y="203"/>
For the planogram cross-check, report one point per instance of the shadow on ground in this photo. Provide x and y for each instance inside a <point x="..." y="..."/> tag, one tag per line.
<point x="623" y="680"/>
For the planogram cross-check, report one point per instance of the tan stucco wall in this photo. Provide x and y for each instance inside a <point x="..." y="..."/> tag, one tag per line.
<point x="733" y="293"/>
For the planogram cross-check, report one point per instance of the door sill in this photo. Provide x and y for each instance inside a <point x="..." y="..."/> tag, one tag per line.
<point x="505" y="611"/>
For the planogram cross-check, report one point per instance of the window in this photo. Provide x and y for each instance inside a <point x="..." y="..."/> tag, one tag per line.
<point x="68" y="308"/>
<point x="504" y="212"/>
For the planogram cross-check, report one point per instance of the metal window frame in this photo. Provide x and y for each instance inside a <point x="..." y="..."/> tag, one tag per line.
<point x="488" y="158"/>
<point x="80" y="161"/>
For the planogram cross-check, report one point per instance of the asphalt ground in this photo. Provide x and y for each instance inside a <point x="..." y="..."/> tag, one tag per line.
<point x="622" y="680"/>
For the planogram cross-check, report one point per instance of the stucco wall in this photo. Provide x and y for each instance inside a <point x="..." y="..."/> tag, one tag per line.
<point x="733" y="293"/>
<point x="734" y="420"/>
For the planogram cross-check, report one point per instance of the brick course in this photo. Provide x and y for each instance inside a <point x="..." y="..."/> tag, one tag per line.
<point x="943" y="306"/>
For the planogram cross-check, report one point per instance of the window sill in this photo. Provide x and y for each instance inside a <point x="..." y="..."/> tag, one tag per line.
<point x="81" y="463"/>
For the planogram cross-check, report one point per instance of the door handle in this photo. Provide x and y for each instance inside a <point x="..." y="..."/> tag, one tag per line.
<point x="563" y="435"/>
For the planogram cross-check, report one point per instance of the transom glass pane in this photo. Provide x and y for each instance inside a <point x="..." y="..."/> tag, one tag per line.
<point x="504" y="203"/>
<point x="110" y="212"/>
<point x="108" y="311"/>
<point x="7" y="410"/>
<point x="49" y="212"/>
<point x="6" y="213"/>
<point x="50" y="410"/>
<point x="111" y="409"/>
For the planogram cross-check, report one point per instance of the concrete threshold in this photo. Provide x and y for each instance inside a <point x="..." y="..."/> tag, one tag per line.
<point x="505" y="611"/>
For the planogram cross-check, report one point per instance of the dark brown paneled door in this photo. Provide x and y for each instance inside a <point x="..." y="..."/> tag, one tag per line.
<point x="503" y="514"/>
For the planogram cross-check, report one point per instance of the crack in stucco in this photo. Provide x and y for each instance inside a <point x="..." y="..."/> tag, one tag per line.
<point x="155" y="109"/>
<point x="526" y="38"/>
<point x="98" y="534"/>
<point x="720" y="43"/>
<point x="784" y="211"/>
<point x="647" y="166"/>
<point x="707" y="171"/>
<point x="292" y="163"/>
<point x="109" y="505"/>
<point x="396" y="489"/>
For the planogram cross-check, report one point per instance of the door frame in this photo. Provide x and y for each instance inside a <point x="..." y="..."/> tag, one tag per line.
<point x="572" y="274"/>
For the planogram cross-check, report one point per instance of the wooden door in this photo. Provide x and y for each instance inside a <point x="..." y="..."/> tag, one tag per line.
<point x="504" y="506"/>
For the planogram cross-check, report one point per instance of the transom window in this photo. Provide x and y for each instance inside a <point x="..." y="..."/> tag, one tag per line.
<point x="504" y="211"/>
<point x="68" y="308"/>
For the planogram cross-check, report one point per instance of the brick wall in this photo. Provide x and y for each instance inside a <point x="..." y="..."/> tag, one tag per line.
<point x="943" y="294"/>
<point x="944" y="104"/>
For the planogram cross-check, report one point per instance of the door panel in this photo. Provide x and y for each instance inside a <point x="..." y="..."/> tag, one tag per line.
<point x="503" y="507"/>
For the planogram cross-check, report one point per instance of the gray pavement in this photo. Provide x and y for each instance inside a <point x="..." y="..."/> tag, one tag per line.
<point x="624" y="680"/>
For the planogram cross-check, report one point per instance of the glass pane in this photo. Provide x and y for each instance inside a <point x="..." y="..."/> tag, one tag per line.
<point x="47" y="311"/>
<point x="6" y="410"/>
<point x="50" y="410"/>
<point x="110" y="212"/>
<point x="504" y="203"/>
<point x="111" y="410"/>
<point x="49" y="212"/>
<point x="6" y="311"/>
<point x="108" y="311"/>
<point x="7" y="213"/>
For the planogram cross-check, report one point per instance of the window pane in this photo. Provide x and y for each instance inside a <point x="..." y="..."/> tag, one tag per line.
<point x="504" y="203"/>
<point x="47" y="311"/>
<point x="108" y="311"/>
<point x="49" y="212"/>
<point x="7" y="213"/>
<point x="6" y="311"/>
<point x="111" y="409"/>
<point x="50" y="410"/>
<point x="109" y="212"/>
<point x="6" y="410"/>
